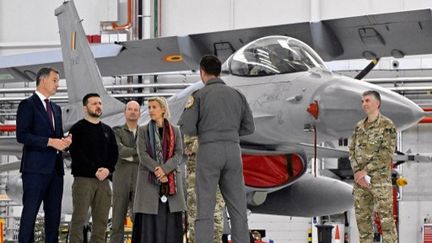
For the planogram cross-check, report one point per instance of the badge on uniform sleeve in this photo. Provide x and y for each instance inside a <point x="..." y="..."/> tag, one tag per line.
<point x="189" y="102"/>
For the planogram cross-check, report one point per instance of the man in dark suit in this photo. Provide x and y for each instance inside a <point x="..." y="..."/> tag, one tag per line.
<point x="39" y="129"/>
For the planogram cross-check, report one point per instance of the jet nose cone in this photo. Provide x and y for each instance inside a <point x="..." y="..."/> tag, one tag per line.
<point x="339" y="102"/>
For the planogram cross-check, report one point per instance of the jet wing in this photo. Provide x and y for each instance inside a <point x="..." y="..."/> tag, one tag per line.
<point x="10" y="146"/>
<point x="322" y="152"/>
<point x="166" y="54"/>
<point x="391" y="34"/>
<point x="23" y="67"/>
<point x="10" y="166"/>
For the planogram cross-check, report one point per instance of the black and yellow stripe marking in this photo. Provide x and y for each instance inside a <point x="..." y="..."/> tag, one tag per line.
<point x="73" y="40"/>
<point x="310" y="235"/>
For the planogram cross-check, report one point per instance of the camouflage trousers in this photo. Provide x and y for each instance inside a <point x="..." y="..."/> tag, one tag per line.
<point x="378" y="197"/>
<point x="191" y="204"/>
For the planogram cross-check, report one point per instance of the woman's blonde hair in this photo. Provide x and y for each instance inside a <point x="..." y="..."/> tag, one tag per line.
<point x="163" y="103"/>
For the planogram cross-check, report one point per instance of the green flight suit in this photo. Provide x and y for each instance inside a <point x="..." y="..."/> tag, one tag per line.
<point x="124" y="180"/>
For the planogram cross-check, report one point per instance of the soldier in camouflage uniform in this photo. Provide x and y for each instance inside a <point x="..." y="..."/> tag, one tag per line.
<point x="191" y="147"/>
<point x="371" y="149"/>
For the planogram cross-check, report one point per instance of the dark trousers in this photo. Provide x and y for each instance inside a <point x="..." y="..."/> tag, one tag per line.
<point x="38" y="188"/>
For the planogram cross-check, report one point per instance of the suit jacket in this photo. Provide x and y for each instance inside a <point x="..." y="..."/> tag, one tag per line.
<point x="33" y="130"/>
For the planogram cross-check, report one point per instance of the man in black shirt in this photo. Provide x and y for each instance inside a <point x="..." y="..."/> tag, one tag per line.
<point x="94" y="156"/>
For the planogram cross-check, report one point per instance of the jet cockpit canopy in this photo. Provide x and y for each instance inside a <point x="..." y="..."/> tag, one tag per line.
<point x="273" y="55"/>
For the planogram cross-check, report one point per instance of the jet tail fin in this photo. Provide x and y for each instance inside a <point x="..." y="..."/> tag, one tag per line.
<point x="81" y="70"/>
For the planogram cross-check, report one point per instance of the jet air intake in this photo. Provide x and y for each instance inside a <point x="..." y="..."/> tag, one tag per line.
<point x="270" y="171"/>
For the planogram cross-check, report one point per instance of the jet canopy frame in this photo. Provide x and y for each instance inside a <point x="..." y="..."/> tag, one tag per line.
<point x="274" y="55"/>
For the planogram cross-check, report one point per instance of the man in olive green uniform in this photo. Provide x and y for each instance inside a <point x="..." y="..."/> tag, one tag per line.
<point x="371" y="149"/>
<point x="125" y="174"/>
<point x="191" y="147"/>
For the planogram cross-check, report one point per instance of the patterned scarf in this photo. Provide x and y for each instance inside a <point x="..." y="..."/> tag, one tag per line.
<point x="162" y="151"/>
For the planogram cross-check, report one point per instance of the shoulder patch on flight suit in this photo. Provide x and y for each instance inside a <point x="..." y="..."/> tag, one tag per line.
<point x="189" y="102"/>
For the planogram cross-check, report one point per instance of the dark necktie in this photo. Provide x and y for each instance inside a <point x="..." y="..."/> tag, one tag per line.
<point x="49" y="111"/>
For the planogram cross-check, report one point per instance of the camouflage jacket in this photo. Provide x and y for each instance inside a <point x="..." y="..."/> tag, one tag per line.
<point x="372" y="147"/>
<point x="191" y="143"/>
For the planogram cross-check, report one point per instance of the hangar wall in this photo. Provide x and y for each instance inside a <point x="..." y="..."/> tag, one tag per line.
<point x="281" y="228"/>
<point x="416" y="201"/>
<point x="195" y="16"/>
<point x="31" y="25"/>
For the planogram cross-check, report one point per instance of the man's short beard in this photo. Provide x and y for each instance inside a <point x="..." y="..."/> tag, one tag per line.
<point x="94" y="114"/>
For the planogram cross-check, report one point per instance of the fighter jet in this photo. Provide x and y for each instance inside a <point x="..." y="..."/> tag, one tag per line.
<point x="296" y="100"/>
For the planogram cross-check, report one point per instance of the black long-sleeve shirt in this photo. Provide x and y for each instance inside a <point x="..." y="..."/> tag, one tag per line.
<point x="94" y="146"/>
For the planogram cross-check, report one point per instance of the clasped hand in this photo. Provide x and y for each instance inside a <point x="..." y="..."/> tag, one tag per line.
<point x="187" y="152"/>
<point x="60" y="143"/>
<point x="160" y="174"/>
<point x="102" y="173"/>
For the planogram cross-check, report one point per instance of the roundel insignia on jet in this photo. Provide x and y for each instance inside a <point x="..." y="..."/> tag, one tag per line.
<point x="189" y="102"/>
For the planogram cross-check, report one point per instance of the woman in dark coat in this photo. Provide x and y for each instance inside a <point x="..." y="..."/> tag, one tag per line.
<point x="159" y="198"/>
